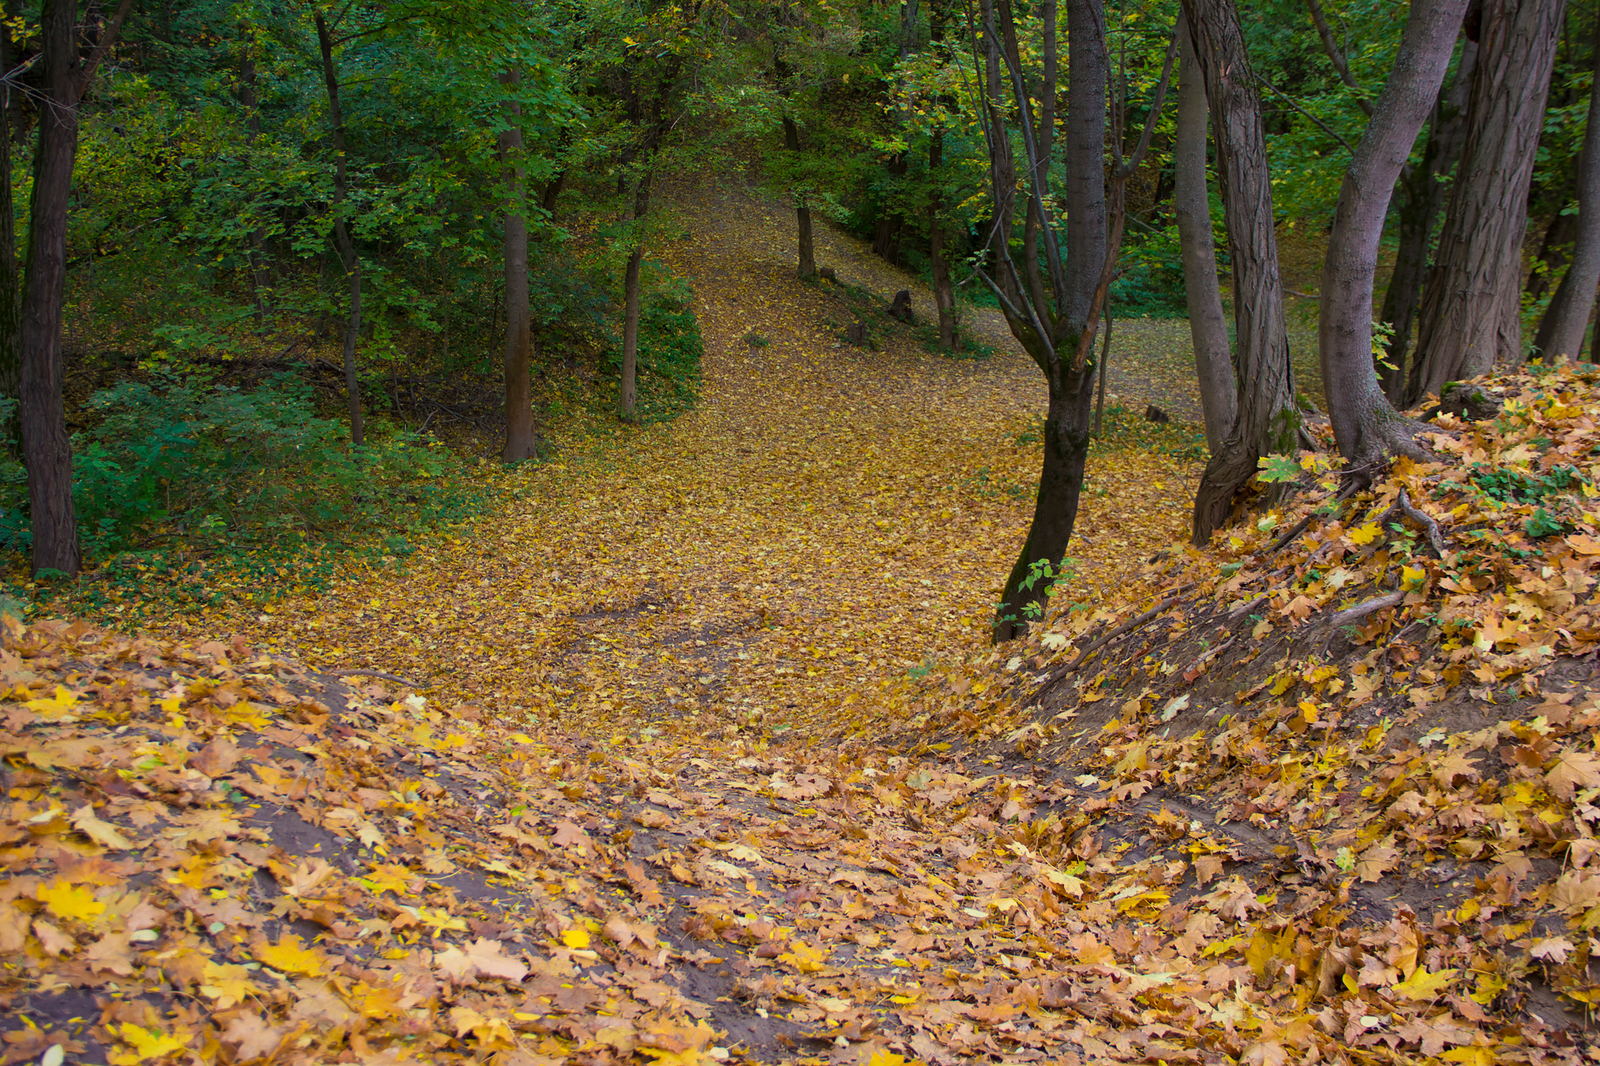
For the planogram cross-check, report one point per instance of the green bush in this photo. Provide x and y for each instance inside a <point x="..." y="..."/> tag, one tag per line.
<point x="213" y="468"/>
<point x="670" y="351"/>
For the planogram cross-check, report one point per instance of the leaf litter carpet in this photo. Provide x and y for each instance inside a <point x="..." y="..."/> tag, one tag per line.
<point x="665" y="792"/>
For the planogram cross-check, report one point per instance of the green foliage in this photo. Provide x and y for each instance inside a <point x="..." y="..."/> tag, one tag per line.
<point x="670" y="352"/>
<point x="1274" y="468"/>
<point x="1508" y="484"/>
<point x="220" y="470"/>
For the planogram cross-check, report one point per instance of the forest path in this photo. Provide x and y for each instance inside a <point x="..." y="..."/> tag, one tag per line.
<point x="828" y="524"/>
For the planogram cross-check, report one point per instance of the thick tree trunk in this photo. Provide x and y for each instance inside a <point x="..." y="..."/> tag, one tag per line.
<point x="348" y="255"/>
<point x="520" y="443"/>
<point x="1267" y="419"/>
<point x="1470" y="310"/>
<point x="802" y="213"/>
<point x="1425" y="190"/>
<point x="1566" y="320"/>
<point x="1365" y="424"/>
<point x="943" y="289"/>
<point x="47" y="451"/>
<point x="1208" y="328"/>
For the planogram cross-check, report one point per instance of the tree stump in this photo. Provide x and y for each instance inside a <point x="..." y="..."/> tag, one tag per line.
<point x="1152" y="413"/>
<point x="856" y="333"/>
<point x="828" y="274"/>
<point x="901" y="308"/>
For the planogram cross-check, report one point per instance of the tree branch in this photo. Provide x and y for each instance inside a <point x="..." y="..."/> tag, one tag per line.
<point x="108" y="37"/>
<point x="1329" y="130"/>
<point x="1336" y="57"/>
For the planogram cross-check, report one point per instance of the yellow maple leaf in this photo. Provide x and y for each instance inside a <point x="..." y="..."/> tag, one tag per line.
<point x="68" y="901"/>
<point x="1424" y="985"/>
<point x="389" y="877"/>
<point x="227" y="984"/>
<point x="575" y="938"/>
<point x="1364" y="534"/>
<point x="1412" y="578"/>
<point x="147" y="1045"/>
<point x="803" y="957"/>
<point x="885" y="1057"/>
<point x="291" y="956"/>
<point x="60" y="703"/>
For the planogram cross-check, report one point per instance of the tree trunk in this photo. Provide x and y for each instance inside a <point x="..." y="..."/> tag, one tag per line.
<point x="1050" y="334"/>
<point x="47" y="450"/>
<point x="1208" y="329"/>
<point x="249" y="99"/>
<point x="10" y="279"/>
<point x="1470" y="311"/>
<point x="1365" y="424"/>
<point x="802" y="213"/>
<point x="1566" y="320"/>
<point x="943" y="289"/>
<point x="519" y="393"/>
<point x="1267" y="419"/>
<point x="341" y="233"/>
<point x="628" y="392"/>
<point x="630" y="336"/>
<point x="1425" y="190"/>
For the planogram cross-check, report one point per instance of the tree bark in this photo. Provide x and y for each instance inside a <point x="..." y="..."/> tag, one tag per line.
<point x="1267" y="418"/>
<point x="341" y="233"/>
<point x="802" y="213"/>
<point x="249" y="99"/>
<point x="943" y="289"/>
<point x="1566" y="320"/>
<point x="1425" y="190"/>
<point x="1208" y="328"/>
<point x="1470" y="310"/>
<point x="1049" y="320"/>
<point x="520" y="443"/>
<point x="628" y="392"/>
<point x="10" y="278"/>
<point x="1365" y="425"/>
<point x="47" y="450"/>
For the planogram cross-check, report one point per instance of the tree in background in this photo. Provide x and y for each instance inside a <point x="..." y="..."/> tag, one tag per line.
<point x="1365" y="424"/>
<point x="1191" y="202"/>
<point x="1266" y="418"/>
<point x="1566" y="320"/>
<point x="1471" y="310"/>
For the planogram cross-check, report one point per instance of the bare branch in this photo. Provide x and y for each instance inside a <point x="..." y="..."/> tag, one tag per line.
<point x="1336" y="57"/>
<point x="108" y="37"/>
<point x="1329" y="130"/>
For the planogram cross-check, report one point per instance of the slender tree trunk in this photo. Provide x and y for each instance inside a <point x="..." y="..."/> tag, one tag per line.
<point x="1425" y="190"/>
<point x="1051" y="334"/>
<point x="628" y="392"/>
<point x="520" y="443"/>
<point x="341" y="233"/>
<point x="802" y="213"/>
<point x="1566" y="320"/>
<point x="943" y="289"/>
<point x="1551" y="255"/>
<point x="1365" y="424"/>
<point x="1267" y="418"/>
<point x="10" y="278"/>
<point x="1208" y="328"/>
<point x="1471" y="308"/>
<point x="47" y="450"/>
<point x="249" y="99"/>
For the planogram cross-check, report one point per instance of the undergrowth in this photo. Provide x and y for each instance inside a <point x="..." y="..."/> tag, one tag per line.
<point x="188" y="494"/>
